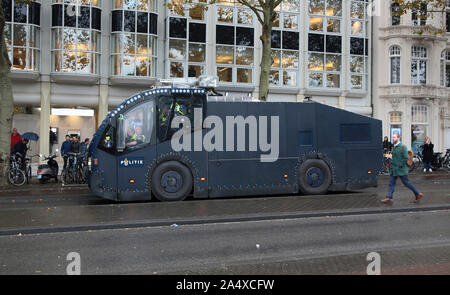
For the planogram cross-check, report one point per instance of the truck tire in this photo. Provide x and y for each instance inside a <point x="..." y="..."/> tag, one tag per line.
<point x="314" y="177"/>
<point x="171" y="181"/>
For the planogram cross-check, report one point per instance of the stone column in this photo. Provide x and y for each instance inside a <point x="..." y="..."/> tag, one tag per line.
<point x="102" y="103"/>
<point x="341" y="102"/>
<point x="44" y="125"/>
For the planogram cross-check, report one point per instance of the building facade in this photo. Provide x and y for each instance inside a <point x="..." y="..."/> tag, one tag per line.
<point x="74" y="60"/>
<point x="412" y="76"/>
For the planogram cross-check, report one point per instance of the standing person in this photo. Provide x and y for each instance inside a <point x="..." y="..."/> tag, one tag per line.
<point x="75" y="146"/>
<point x="53" y="139"/>
<point x="427" y="154"/>
<point x="15" y="138"/>
<point x="84" y="149"/>
<point x="387" y="145"/>
<point x="400" y="169"/>
<point x="65" y="149"/>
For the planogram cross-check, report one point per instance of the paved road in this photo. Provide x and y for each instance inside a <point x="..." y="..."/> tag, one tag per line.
<point x="313" y="245"/>
<point x="329" y="234"/>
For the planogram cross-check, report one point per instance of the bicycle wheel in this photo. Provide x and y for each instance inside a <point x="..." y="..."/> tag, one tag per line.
<point x="16" y="177"/>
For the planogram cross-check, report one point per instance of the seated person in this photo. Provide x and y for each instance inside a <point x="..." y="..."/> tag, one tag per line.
<point x="180" y="110"/>
<point x="137" y="138"/>
<point x="129" y="137"/>
<point x="164" y="116"/>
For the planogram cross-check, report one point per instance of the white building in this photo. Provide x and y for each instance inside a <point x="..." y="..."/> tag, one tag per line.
<point x="92" y="54"/>
<point x="412" y="77"/>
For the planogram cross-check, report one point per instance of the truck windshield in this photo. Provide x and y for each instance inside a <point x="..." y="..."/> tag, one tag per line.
<point x="138" y="127"/>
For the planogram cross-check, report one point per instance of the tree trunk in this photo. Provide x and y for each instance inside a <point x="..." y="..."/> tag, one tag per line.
<point x="6" y="101"/>
<point x="266" y="59"/>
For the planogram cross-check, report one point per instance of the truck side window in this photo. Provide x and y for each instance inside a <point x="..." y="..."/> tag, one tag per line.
<point x="138" y="125"/>
<point x="107" y="142"/>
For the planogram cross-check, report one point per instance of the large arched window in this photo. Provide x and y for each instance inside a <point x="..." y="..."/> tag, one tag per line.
<point x="419" y="58"/>
<point x="394" y="55"/>
<point x="22" y="34"/>
<point x="76" y="36"/>
<point x="445" y="68"/>
<point x="134" y="34"/>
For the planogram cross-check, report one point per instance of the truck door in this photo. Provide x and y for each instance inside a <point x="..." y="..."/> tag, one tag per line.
<point x="133" y="162"/>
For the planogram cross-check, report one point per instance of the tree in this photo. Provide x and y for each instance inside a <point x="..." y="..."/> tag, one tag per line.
<point x="423" y="10"/>
<point x="6" y="97"/>
<point x="264" y="11"/>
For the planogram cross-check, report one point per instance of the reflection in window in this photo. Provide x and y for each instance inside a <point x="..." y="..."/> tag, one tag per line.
<point x="187" y="40"/>
<point x="133" y="38"/>
<point x="76" y="37"/>
<point x="22" y="34"/>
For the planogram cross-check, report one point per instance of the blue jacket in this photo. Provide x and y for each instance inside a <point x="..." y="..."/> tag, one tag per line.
<point x="65" y="147"/>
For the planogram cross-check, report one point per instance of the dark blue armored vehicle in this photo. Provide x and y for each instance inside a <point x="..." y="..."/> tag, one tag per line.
<point x="170" y="143"/>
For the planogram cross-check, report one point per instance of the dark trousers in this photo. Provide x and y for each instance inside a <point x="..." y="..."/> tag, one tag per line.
<point x="405" y="181"/>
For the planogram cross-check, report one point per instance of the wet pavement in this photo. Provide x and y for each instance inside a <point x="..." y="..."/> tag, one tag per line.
<point x="74" y="209"/>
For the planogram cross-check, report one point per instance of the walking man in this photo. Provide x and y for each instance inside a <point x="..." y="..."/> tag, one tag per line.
<point x="400" y="169"/>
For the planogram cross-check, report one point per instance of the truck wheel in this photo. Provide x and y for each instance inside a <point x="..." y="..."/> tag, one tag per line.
<point x="314" y="177"/>
<point x="171" y="181"/>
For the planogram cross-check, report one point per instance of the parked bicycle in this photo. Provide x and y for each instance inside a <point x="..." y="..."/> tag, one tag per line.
<point x="76" y="169"/>
<point x="16" y="175"/>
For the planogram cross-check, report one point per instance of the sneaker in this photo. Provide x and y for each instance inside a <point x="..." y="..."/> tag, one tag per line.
<point x="431" y="171"/>
<point x="425" y="170"/>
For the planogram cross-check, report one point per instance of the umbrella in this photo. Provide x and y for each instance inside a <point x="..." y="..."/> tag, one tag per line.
<point x="30" y="136"/>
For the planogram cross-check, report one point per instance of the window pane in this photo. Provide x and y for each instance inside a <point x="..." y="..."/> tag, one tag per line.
<point x="316" y="24"/>
<point x="224" y="55"/>
<point x="177" y="49"/>
<point x="20" y="35"/>
<point x="244" y="56"/>
<point x="357" y="9"/>
<point x="357" y="28"/>
<point x="356" y="82"/>
<point x="195" y="71"/>
<point x="315" y="79"/>
<point x="276" y="58"/>
<point x="290" y="59"/>
<point x="225" y="14"/>
<point x="356" y="64"/>
<point x="274" y="78"/>
<point x="333" y="81"/>
<point x="289" y="78"/>
<point x="333" y="25"/>
<point x="225" y="74"/>
<point x="316" y="7"/>
<point x="141" y="65"/>
<point x="315" y="62"/>
<point x="244" y="75"/>
<point x="333" y="63"/>
<point x="176" y="70"/>
<point x="197" y="52"/>
<point x="19" y="58"/>
<point x="128" y="65"/>
<point x="244" y="16"/>
<point x="290" y="21"/>
<point x="334" y="7"/>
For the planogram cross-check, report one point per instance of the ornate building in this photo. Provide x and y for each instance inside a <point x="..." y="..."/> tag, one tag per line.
<point x="412" y="77"/>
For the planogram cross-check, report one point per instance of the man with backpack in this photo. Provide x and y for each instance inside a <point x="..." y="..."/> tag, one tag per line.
<point x="399" y="168"/>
